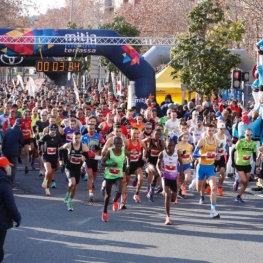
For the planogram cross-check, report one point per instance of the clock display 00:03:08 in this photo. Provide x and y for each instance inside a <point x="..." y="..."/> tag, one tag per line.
<point x="58" y="66"/>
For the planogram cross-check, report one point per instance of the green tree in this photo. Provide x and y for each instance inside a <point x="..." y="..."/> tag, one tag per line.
<point x="201" y="57"/>
<point x="125" y="29"/>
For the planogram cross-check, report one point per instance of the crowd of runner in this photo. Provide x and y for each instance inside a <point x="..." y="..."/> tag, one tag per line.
<point x="168" y="148"/>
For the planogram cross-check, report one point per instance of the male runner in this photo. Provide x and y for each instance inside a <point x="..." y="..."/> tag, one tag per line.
<point x="207" y="152"/>
<point x="27" y="130"/>
<point x="220" y="165"/>
<point x="137" y="150"/>
<point x="154" y="145"/>
<point x="75" y="150"/>
<point x="167" y="168"/>
<point x="94" y="141"/>
<point x="244" y="148"/>
<point x="49" y="145"/>
<point x="113" y="161"/>
<point x="186" y="150"/>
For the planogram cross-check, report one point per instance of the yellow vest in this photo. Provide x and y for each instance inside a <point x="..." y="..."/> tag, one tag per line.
<point x="208" y="148"/>
<point x="185" y="152"/>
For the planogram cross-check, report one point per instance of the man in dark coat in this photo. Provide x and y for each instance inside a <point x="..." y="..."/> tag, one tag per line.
<point x="8" y="209"/>
<point x="12" y="141"/>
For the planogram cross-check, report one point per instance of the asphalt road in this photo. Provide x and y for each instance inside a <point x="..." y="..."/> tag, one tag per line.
<point x="49" y="233"/>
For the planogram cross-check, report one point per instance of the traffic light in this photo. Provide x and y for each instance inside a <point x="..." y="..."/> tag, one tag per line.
<point x="245" y="76"/>
<point x="236" y="79"/>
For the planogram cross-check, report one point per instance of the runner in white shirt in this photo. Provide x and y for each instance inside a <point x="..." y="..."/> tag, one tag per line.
<point x="172" y="126"/>
<point x="198" y="130"/>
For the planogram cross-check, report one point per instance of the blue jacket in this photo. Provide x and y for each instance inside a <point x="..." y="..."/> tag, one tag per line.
<point x="8" y="209"/>
<point x="13" y="139"/>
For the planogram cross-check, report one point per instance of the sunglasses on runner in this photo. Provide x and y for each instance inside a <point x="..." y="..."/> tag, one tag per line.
<point x="249" y="135"/>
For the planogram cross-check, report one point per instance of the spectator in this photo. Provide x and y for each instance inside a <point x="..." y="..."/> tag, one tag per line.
<point x="12" y="142"/>
<point x="8" y="209"/>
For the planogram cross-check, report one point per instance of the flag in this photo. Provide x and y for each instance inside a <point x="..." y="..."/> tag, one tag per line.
<point x="30" y="87"/>
<point x="38" y="83"/>
<point x="20" y="81"/>
<point x="76" y="89"/>
<point x="119" y="87"/>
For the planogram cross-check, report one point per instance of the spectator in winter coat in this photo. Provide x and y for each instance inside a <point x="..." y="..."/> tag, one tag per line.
<point x="8" y="209"/>
<point x="13" y="140"/>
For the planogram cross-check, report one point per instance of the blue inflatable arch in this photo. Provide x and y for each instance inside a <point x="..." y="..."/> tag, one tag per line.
<point x="81" y="43"/>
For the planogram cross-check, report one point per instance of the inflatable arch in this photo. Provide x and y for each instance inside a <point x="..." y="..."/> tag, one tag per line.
<point x="80" y="43"/>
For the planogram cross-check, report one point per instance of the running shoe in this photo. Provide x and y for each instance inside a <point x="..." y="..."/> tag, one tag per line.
<point x="220" y="191"/>
<point x="85" y="178"/>
<point x="201" y="201"/>
<point x="103" y="191"/>
<point x="148" y="189"/>
<point x="33" y="166"/>
<point x="105" y="217"/>
<point x="239" y="200"/>
<point x="235" y="185"/>
<point x="168" y="221"/>
<point x="150" y="196"/>
<point x="70" y="206"/>
<point x="26" y="170"/>
<point x="137" y="198"/>
<point x="159" y="190"/>
<point x="214" y="214"/>
<point x="47" y="192"/>
<point x="208" y="190"/>
<point x="123" y="206"/>
<point x="115" y="206"/>
<point x="54" y="185"/>
<point x="44" y="184"/>
<point x="135" y="182"/>
<point x="62" y="168"/>
<point x="230" y="175"/>
<point x="192" y="186"/>
<point x="66" y="198"/>
<point x="19" y="159"/>
<point x="180" y="194"/>
<point x="91" y="197"/>
<point x="183" y="190"/>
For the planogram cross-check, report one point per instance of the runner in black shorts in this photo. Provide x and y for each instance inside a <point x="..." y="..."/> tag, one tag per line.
<point x="244" y="148"/>
<point x="73" y="164"/>
<point x="138" y="151"/>
<point x="49" y="145"/>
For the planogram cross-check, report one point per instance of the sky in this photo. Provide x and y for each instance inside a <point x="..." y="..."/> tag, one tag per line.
<point x="45" y="5"/>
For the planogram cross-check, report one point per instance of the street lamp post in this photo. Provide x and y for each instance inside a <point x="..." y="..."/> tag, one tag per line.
<point x="71" y="9"/>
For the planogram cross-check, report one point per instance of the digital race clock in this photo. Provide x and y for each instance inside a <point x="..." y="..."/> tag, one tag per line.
<point x="58" y="66"/>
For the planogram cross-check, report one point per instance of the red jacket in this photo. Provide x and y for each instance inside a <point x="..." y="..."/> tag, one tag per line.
<point x="8" y="123"/>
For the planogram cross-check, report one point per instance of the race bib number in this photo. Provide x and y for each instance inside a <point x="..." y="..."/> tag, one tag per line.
<point x="26" y="132"/>
<point x="155" y="153"/>
<point x="186" y="156"/>
<point x="134" y="157"/>
<point x="210" y="156"/>
<point x="170" y="168"/>
<point x="114" y="171"/>
<point x="75" y="160"/>
<point x="69" y="137"/>
<point x="51" y="150"/>
<point x="246" y="158"/>
<point x="221" y="151"/>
